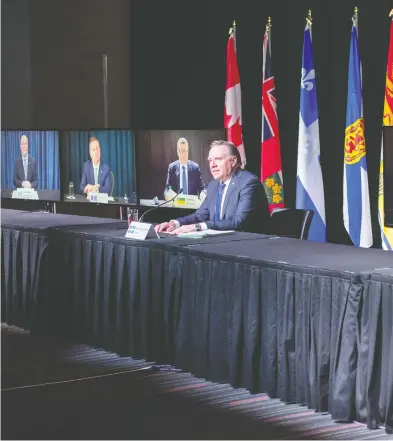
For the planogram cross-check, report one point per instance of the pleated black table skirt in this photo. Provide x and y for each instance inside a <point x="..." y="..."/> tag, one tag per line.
<point x="308" y="323"/>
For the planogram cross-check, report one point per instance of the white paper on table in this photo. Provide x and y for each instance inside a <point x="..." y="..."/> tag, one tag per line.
<point x="205" y="233"/>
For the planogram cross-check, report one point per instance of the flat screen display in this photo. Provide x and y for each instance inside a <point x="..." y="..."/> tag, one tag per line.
<point x="30" y="165"/>
<point x="170" y="160"/>
<point x="99" y="166"/>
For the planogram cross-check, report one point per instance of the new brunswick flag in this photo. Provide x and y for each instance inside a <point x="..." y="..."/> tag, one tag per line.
<point x="386" y="233"/>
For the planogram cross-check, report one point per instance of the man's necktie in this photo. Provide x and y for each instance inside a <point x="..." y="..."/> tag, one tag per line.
<point x="25" y="167"/>
<point x="220" y="192"/>
<point x="95" y="175"/>
<point x="184" y="179"/>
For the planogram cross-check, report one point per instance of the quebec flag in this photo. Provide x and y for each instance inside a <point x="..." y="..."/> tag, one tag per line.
<point x="309" y="183"/>
<point x="356" y="198"/>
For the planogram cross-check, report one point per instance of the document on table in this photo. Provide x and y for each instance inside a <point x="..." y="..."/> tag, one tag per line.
<point x="206" y="233"/>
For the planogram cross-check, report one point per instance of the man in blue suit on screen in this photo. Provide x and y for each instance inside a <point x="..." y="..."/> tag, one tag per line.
<point x="184" y="173"/>
<point x="235" y="199"/>
<point x="95" y="174"/>
<point x="25" y="167"/>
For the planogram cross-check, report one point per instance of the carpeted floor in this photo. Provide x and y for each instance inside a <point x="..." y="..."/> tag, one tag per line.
<point x="57" y="390"/>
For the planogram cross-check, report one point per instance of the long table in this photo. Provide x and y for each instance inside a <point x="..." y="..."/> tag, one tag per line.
<point x="306" y="322"/>
<point x="25" y="264"/>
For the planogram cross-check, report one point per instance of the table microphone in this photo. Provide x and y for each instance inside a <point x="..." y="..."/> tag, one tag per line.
<point x="158" y="206"/>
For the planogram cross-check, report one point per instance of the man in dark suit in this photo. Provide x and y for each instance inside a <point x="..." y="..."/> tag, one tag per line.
<point x="96" y="177"/>
<point x="184" y="173"/>
<point x="235" y="199"/>
<point x="25" y="169"/>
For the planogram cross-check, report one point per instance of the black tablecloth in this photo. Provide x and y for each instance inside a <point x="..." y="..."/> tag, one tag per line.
<point x="24" y="261"/>
<point x="326" y="256"/>
<point x="306" y="322"/>
<point x="370" y="338"/>
<point x="267" y="314"/>
<point x="283" y="315"/>
<point x="105" y="285"/>
<point x="39" y="220"/>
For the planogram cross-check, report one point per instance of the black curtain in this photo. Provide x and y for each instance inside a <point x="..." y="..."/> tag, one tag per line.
<point x="178" y="78"/>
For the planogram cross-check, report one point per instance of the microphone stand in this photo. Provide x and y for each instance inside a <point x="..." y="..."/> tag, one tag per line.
<point x="158" y="206"/>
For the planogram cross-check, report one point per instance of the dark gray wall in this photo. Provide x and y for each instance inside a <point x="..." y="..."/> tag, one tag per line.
<point x="52" y="63"/>
<point x="16" y="87"/>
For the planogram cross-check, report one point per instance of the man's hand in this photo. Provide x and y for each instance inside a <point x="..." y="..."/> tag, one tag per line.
<point x="165" y="226"/>
<point x="26" y="184"/>
<point x="184" y="229"/>
<point x="88" y="188"/>
<point x="202" y="195"/>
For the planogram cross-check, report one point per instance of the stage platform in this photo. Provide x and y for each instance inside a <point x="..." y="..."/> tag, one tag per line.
<point x="305" y="322"/>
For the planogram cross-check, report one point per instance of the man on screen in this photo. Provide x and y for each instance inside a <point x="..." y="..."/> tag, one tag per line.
<point x="25" y="169"/>
<point x="96" y="176"/>
<point x="235" y="199"/>
<point x="184" y="173"/>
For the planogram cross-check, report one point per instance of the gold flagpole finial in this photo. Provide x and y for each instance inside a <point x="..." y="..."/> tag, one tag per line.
<point x="355" y="16"/>
<point x="232" y="29"/>
<point x="268" y="24"/>
<point x="391" y="13"/>
<point x="309" y="18"/>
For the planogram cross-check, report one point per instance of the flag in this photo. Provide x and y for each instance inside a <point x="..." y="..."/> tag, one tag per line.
<point x="233" y="98"/>
<point x="309" y="182"/>
<point x="271" y="168"/>
<point x="386" y="233"/>
<point x="356" y="198"/>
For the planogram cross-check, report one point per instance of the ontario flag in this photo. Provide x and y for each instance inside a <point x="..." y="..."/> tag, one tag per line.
<point x="271" y="168"/>
<point x="386" y="233"/>
<point x="233" y="98"/>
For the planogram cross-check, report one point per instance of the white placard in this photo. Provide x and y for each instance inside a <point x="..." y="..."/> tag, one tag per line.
<point x="141" y="231"/>
<point x="25" y="193"/>
<point x="99" y="198"/>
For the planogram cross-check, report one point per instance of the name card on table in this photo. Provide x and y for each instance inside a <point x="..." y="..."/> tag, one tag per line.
<point x="99" y="198"/>
<point x="25" y="193"/>
<point x="141" y="231"/>
<point x="187" y="201"/>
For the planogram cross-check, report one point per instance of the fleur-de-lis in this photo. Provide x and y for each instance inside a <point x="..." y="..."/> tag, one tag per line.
<point x="306" y="82"/>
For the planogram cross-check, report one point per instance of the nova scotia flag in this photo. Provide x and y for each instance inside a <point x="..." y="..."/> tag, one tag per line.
<point x="356" y="198"/>
<point x="309" y="184"/>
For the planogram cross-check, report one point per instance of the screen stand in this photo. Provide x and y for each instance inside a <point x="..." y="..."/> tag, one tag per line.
<point x="49" y="207"/>
<point x="164" y="367"/>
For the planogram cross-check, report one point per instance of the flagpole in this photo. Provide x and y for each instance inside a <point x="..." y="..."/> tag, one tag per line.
<point x="309" y="18"/>
<point x="268" y="24"/>
<point x="268" y="30"/>
<point x="355" y="17"/>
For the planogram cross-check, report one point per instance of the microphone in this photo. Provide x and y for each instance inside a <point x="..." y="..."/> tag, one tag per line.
<point x="158" y="206"/>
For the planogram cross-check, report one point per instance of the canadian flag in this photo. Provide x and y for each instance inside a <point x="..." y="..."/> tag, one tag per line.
<point x="233" y="98"/>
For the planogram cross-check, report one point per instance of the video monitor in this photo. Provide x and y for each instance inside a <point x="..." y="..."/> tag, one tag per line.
<point x="388" y="174"/>
<point x="99" y="166"/>
<point x="30" y="165"/>
<point x="170" y="160"/>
